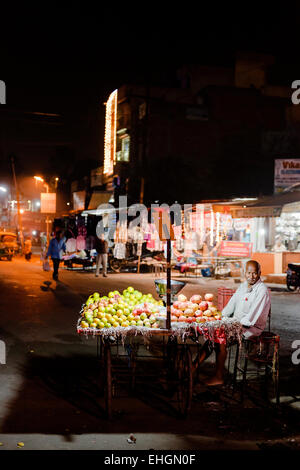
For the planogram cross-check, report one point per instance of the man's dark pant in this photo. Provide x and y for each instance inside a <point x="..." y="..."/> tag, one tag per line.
<point x="56" y="262"/>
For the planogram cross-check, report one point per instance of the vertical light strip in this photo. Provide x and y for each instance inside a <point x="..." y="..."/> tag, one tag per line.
<point x="115" y="126"/>
<point x="211" y="227"/>
<point x="110" y="133"/>
<point x="218" y="227"/>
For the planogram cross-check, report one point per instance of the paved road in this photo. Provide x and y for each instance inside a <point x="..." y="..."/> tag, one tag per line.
<point x="49" y="396"/>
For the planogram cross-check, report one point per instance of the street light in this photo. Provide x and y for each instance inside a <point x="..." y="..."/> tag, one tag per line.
<point x="4" y="190"/>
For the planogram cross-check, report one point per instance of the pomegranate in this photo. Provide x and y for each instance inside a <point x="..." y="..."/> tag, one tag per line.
<point x="196" y="299"/>
<point x="209" y="297"/>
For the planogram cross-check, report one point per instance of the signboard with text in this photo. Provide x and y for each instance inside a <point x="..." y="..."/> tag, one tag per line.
<point x="287" y="173"/>
<point x="48" y="203"/>
<point x="232" y="249"/>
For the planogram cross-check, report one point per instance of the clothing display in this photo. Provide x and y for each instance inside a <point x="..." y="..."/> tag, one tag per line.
<point x="71" y="245"/>
<point x="120" y="251"/>
<point x="80" y="243"/>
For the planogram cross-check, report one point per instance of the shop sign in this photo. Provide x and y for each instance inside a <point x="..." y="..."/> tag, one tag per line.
<point x="249" y="212"/>
<point x="232" y="249"/>
<point x="287" y="173"/>
<point x="48" y="203"/>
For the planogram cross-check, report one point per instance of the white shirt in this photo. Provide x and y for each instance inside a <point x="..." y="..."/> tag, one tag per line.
<point x="250" y="306"/>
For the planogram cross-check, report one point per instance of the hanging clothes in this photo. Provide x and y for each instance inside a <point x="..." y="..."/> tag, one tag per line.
<point x="90" y="242"/>
<point x="120" y="251"/>
<point x="71" y="245"/>
<point x="80" y="243"/>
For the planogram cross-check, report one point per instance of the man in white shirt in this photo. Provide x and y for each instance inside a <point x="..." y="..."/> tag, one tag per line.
<point x="250" y="305"/>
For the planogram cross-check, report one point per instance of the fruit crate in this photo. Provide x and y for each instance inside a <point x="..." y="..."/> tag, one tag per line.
<point x="224" y="295"/>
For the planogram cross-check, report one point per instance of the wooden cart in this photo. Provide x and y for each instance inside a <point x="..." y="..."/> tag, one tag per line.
<point x="177" y="358"/>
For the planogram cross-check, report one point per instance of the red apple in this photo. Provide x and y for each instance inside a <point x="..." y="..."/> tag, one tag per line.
<point x="198" y="313"/>
<point x="182" y="298"/>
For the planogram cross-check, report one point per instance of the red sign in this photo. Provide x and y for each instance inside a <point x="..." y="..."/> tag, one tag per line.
<point x="241" y="249"/>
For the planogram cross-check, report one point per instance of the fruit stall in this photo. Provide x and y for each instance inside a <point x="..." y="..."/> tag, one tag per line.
<point x="131" y="316"/>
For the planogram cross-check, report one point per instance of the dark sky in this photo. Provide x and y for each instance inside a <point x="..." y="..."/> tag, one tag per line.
<point x="65" y="59"/>
<point x="52" y="55"/>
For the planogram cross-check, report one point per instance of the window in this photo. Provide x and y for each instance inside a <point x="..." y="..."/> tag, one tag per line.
<point x="123" y="154"/>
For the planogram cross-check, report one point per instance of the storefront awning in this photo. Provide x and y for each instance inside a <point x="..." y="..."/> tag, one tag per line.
<point x="264" y="206"/>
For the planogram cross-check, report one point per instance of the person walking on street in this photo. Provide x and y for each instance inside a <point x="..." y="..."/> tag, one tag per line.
<point x="102" y="254"/>
<point x="27" y="249"/>
<point x="56" y="248"/>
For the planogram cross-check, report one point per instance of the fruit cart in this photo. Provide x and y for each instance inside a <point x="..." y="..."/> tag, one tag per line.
<point x="176" y="344"/>
<point x="180" y="322"/>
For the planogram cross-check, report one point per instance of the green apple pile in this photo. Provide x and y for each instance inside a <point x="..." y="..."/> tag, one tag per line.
<point x="131" y="308"/>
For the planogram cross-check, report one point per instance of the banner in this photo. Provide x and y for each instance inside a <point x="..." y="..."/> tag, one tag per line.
<point x="79" y="200"/>
<point x="232" y="249"/>
<point x="48" y="203"/>
<point x="287" y="173"/>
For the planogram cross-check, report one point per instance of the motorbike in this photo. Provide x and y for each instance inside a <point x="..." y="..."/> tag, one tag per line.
<point x="293" y="276"/>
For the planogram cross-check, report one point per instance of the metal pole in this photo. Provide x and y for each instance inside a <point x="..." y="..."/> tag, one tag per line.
<point x="18" y="202"/>
<point x="168" y="283"/>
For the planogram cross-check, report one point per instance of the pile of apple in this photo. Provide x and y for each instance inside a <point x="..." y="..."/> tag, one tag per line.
<point x="194" y="310"/>
<point x="131" y="308"/>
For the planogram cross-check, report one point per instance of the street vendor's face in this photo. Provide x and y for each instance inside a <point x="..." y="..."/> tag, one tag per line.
<point x="252" y="274"/>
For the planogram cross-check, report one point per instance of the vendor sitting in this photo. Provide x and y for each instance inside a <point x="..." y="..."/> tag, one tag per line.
<point x="250" y="305"/>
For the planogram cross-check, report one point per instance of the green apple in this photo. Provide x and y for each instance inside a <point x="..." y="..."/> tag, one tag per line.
<point x="132" y="323"/>
<point x="108" y="325"/>
<point x="143" y="316"/>
<point x="139" y="323"/>
<point x="101" y="324"/>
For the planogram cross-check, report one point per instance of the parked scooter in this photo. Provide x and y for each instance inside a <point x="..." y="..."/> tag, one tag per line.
<point x="293" y="276"/>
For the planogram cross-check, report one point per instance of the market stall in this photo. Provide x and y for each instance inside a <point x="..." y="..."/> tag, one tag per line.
<point x="132" y="317"/>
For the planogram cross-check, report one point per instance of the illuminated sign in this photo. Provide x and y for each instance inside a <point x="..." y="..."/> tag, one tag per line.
<point x="48" y="203"/>
<point x="110" y="133"/>
<point x="287" y="173"/>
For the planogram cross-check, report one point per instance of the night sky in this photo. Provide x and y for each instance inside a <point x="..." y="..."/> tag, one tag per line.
<point x="56" y="59"/>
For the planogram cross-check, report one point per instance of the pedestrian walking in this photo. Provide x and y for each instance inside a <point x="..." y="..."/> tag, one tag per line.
<point x="56" y="249"/>
<point x="102" y="254"/>
<point x="27" y="249"/>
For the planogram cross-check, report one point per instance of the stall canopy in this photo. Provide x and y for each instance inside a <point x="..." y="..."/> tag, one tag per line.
<point x="264" y="206"/>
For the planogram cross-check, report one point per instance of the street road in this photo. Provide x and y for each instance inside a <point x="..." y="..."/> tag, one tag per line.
<point x="50" y="385"/>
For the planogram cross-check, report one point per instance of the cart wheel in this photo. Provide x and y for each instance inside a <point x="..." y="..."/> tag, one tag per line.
<point x="185" y="381"/>
<point x="108" y="381"/>
<point x="115" y="265"/>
